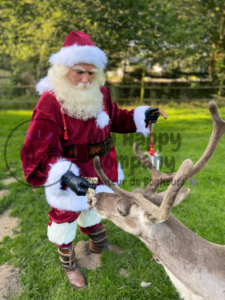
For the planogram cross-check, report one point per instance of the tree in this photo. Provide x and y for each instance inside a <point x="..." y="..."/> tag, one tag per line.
<point x="190" y="31"/>
<point x="34" y="29"/>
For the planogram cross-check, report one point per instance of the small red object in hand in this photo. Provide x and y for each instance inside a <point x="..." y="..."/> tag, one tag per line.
<point x="151" y="150"/>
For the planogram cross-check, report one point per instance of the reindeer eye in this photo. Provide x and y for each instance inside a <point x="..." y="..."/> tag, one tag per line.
<point x="120" y="211"/>
<point x="123" y="207"/>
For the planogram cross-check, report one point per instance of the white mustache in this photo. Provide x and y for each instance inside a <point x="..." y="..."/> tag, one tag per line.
<point x="82" y="85"/>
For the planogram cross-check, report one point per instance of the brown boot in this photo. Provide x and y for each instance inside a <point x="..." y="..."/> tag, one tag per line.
<point x="73" y="274"/>
<point x="99" y="241"/>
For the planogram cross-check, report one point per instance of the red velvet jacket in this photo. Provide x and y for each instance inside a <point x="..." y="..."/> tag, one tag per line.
<point x="45" y="138"/>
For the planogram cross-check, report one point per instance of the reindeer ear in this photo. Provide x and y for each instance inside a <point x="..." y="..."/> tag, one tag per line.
<point x="158" y="198"/>
<point x="181" y="195"/>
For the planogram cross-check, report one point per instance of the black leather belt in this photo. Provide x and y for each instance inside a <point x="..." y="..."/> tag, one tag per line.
<point x="83" y="152"/>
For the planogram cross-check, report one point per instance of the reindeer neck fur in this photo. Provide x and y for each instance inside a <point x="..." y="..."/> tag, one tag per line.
<point x="193" y="264"/>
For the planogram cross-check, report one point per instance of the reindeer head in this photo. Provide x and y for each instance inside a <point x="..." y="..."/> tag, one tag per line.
<point x="137" y="210"/>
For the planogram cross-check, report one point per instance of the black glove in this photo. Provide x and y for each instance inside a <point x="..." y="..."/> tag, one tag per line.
<point x="149" y="116"/>
<point x="77" y="184"/>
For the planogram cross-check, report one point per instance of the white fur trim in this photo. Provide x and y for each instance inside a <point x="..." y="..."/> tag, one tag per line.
<point x="44" y="85"/>
<point x="120" y="174"/>
<point x="63" y="199"/>
<point x="103" y="188"/>
<point x="139" y="119"/>
<point x="102" y="119"/>
<point x="75" y="54"/>
<point x="62" y="233"/>
<point x="88" y="218"/>
<point x="67" y="199"/>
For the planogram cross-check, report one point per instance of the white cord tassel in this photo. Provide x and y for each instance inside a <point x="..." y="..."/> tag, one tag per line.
<point x="155" y="160"/>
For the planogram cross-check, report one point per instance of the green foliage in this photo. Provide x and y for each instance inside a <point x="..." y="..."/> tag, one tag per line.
<point x="36" y="29"/>
<point x="31" y="29"/>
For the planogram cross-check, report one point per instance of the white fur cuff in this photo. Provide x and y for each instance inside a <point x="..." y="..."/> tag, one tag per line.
<point x="88" y="218"/>
<point x="67" y="199"/>
<point x="139" y="119"/>
<point x="62" y="233"/>
<point x="63" y="199"/>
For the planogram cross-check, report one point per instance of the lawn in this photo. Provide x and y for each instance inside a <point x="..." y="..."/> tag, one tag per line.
<point x="184" y="135"/>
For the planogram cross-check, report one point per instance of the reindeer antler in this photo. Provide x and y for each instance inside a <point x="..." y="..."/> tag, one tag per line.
<point x="218" y="131"/>
<point x="107" y="181"/>
<point x="158" y="178"/>
<point x="162" y="212"/>
<point x="185" y="171"/>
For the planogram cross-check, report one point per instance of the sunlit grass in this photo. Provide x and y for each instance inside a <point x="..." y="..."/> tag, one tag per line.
<point x="18" y="112"/>
<point x="202" y="211"/>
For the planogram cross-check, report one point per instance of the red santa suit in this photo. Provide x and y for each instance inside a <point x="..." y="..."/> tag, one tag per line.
<point x="44" y="160"/>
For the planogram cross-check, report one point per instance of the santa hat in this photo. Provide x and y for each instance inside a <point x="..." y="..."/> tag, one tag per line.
<point x="79" y="48"/>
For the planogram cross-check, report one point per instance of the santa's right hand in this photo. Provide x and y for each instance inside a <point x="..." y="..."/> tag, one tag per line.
<point x="77" y="184"/>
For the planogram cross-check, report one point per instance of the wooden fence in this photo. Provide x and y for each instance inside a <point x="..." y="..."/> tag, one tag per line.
<point x="140" y="99"/>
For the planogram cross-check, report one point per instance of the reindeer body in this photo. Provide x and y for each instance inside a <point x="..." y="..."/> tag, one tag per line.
<point x="195" y="266"/>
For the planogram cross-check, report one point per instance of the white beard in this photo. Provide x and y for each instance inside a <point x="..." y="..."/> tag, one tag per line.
<point x="78" y="102"/>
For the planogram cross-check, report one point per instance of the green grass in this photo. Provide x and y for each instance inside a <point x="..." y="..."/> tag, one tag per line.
<point x="202" y="211"/>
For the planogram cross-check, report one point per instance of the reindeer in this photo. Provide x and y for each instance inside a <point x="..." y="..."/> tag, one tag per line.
<point x="195" y="266"/>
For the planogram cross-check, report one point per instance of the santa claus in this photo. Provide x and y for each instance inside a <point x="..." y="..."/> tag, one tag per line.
<point x="71" y="123"/>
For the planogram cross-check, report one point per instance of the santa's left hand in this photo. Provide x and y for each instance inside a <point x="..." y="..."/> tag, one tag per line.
<point x="77" y="184"/>
<point x="151" y="116"/>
